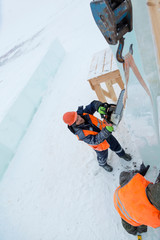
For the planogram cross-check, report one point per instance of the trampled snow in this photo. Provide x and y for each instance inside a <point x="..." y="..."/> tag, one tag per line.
<point x="53" y="187"/>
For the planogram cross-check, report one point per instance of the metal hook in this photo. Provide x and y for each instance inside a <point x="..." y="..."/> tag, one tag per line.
<point x="119" y="56"/>
<point x="131" y="49"/>
<point x="119" y="50"/>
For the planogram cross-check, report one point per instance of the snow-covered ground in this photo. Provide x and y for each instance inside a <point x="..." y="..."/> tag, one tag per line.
<point x="54" y="188"/>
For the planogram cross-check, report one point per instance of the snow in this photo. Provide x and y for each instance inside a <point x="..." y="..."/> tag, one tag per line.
<point x="102" y="63"/>
<point x="53" y="187"/>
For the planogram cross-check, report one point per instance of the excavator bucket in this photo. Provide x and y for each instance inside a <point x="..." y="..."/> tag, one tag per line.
<point x="113" y="17"/>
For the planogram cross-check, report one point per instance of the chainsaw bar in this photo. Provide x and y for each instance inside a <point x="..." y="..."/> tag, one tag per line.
<point x="118" y="113"/>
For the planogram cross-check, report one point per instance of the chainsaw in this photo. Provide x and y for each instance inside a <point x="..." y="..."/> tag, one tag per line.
<point x="114" y="112"/>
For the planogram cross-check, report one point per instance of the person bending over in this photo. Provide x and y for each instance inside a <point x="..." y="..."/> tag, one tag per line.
<point x="137" y="201"/>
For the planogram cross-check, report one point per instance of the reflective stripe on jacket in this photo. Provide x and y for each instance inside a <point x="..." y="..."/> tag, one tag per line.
<point x="102" y="144"/>
<point x="132" y="203"/>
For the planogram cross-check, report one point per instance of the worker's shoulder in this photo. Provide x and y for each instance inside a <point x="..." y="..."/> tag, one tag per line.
<point x="125" y="177"/>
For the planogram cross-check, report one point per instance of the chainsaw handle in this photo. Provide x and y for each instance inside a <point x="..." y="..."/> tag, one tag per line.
<point x="107" y="123"/>
<point x="105" y="119"/>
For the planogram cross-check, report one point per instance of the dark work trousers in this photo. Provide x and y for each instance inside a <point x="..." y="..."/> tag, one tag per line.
<point x="114" y="146"/>
<point x="133" y="230"/>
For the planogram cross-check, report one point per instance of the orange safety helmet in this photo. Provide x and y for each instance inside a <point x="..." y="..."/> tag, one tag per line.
<point x="70" y="117"/>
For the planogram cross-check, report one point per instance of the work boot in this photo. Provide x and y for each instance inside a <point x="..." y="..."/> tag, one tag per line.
<point x="127" y="157"/>
<point x="108" y="168"/>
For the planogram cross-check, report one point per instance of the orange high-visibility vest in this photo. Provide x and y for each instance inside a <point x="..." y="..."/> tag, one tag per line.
<point x="132" y="203"/>
<point x="100" y="124"/>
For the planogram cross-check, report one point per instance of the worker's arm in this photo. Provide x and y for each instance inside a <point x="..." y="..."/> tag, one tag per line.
<point x="94" y="139"/>
<point x="91" y="108"/>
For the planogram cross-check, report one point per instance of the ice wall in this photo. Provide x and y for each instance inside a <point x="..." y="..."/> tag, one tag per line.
<point x="142" y="116"/>
<point x="18" y="118"/>
<point x="147" y="51"/>
<point x="145" y="38"/>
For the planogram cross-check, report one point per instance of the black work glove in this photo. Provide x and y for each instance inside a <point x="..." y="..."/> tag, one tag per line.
<point x="143" y="170"/>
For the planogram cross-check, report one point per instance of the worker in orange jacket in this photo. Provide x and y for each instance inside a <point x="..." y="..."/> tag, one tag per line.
<point x="138" y="201"/>
<point x="96" y="133"/>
